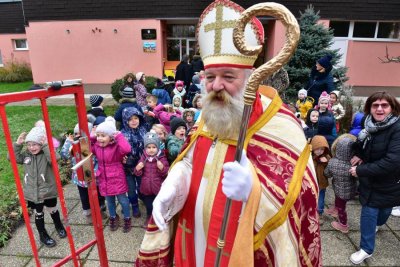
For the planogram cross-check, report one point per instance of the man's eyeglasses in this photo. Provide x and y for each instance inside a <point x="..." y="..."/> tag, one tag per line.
<point x="383" y="105"/>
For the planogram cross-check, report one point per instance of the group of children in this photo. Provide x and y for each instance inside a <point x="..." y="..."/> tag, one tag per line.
<point x="331" y="154"/>
<point x="129" y="164"/>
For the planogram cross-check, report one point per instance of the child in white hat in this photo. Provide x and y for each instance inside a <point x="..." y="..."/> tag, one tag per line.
<point x="110" y="147"/>
<point x="39" y="183"/>
<point x="304" y="103"/>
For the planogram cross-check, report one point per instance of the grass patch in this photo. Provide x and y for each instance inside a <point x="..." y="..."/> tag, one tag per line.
<point x="14" y="87"/>
<point x="20" y="119"/>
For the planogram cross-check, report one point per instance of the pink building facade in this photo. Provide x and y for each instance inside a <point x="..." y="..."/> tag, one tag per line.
<point x="8" y="50"/>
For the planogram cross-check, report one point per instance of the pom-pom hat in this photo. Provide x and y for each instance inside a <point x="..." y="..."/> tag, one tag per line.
<point x="107" y="127"/>
<point x="215" y="36"/>
<point x="302" y="91"/>
<point x="151" y="138"/>
<point x="324" y="96"/>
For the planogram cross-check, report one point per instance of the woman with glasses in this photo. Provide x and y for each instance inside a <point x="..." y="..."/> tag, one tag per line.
<point x="377" y="166"/>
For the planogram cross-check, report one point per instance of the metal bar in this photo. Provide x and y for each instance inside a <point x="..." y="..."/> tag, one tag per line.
<point x="54" y="164"/>
<point x="93" y="197"/>
<point x="17" y="179"/>
<point x="78" y="252"/>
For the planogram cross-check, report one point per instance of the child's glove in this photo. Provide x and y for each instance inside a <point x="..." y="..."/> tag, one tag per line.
<point x="237" y="180"/>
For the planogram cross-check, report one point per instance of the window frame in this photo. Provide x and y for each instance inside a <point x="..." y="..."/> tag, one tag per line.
<point x="374" y="39"/>
<point x="20" y="49"/>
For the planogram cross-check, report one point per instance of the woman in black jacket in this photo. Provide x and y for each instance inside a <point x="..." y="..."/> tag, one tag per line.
<point x="377" y="164"/>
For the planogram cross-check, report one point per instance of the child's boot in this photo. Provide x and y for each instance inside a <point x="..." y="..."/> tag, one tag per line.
<point x="127" y="225"/>
<point x="332" y="211"/>
<point x="114" y="223"/>
<point x="43" y="235"/>
<point x="135" y="207"/>
<point x="344" y="228"/>
<point x="58" y="224"/>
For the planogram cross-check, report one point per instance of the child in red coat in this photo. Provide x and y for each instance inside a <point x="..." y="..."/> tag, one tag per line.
<point x="153" y="167"/>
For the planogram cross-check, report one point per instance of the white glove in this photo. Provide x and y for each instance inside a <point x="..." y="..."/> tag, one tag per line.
<point x="161" y="206"/>
<point x="237" y="180"/>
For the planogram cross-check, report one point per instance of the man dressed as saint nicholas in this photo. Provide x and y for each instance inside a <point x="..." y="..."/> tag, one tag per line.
<point x="269" y="223"/>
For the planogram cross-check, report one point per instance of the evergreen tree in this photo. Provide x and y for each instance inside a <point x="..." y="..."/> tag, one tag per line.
<point x="315" y="42"/>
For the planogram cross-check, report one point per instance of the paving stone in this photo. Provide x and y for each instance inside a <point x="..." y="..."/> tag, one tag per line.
<point x="14" y="260"/>
<point x="118" y="250"/>
<point x="48" y="262"/>
<point x="394" y="223"/>
<point x="19" y="244"/>
<point x="94" y="263"/>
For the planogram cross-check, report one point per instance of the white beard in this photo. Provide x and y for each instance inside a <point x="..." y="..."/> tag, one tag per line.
<point x="223" y="118"/>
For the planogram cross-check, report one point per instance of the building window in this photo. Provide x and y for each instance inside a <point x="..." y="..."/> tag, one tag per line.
<point x="340" y="28"/>
<point x="20" y="44"/>
<point x="390" y="30"/>
<point x="366" y="30"/>
<point x="180" y="41"/>
<point x="1" y="60"/>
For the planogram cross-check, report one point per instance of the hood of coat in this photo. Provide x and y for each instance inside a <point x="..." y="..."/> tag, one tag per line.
<point x="128" y="112"/>
<point x="320" y="141"/>
<point x="342" y="147"/>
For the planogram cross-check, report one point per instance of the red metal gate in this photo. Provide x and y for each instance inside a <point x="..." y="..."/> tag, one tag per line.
<point x="78" y="92"/>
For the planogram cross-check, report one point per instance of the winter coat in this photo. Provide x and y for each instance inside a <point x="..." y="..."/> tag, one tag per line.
<point x="110" y="174"/>
<point x="303" y="106"/>
<point x="184" y="73"/>
<point x="134" y="136"/>
<point x="152" y="177"/>
<point x="338" y="111"/>
<point x="162" y="96"/>
<point x="124" y="103"/>
<point x="165" y="117"/>
<point x="197" y="64"/>
<point x="317" y="142"/>
<point x="327" y="126"/>
<point x="319" y="82"/>
<point x="97" y="111"/>
<point x="194" y="90"/>
<point x="39" y="182"/>
<point x="379" y="174"/>
<point x="344" y="184"/>
<point x="174" y="145"/>
<point x="141" y="94"/>
<point x="357" y="123"/>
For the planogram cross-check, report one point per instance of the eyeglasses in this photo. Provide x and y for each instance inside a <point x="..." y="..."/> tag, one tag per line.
<point x="383" y="105"/>
<point x="33" y="145"/>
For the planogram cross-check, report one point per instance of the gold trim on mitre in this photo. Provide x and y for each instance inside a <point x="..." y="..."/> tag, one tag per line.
<point x="215" y="35"/>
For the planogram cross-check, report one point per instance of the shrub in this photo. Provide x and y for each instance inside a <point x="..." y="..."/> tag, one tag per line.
<point x="15" y="71"/>
<point x="118" y="84"/>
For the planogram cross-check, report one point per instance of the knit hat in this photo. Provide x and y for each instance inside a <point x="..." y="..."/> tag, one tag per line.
<point x="302" y="91"/>
<point x="96" y="100"/>
<point x="176" y="123"/>
<point x="324" y="96"/>
<point x="128" y="92"/>
<point x="139" y="76"/>
<point x="336" y="92"/>
<point x="325" y="62"/>
<point x="151" y="138"/>
<point x="107" y="127"/>
<point x="36" y="134"/>
<point x="178" y="83"/>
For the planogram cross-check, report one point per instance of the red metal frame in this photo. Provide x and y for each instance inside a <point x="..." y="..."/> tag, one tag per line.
<point x="42" y="95"/>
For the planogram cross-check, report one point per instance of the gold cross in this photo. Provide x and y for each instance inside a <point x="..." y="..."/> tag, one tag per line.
<point x="218" y="26"/>
<point x="224" y="253"/>
<point x="185" y="230"/>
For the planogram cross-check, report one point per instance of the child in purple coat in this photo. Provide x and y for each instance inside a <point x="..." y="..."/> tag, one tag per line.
<point x="153" y="167"/>
<point x="110" y="147"/>
<point x="164" y="113"/>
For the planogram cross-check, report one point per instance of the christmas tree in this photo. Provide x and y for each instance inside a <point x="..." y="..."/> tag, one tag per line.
<point x="315" y="42"/>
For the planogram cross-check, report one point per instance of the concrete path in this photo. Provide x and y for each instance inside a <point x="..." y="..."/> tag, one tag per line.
<point x="122" y="247"/>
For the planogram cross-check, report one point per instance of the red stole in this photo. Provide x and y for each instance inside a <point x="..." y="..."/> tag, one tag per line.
<point x="184" y="240"/>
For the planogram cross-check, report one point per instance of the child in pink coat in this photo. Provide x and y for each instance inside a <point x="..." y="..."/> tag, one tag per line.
<point x="164" y="113"/>
<point x="110" y="147"/>
<point x="153" y="167"/>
